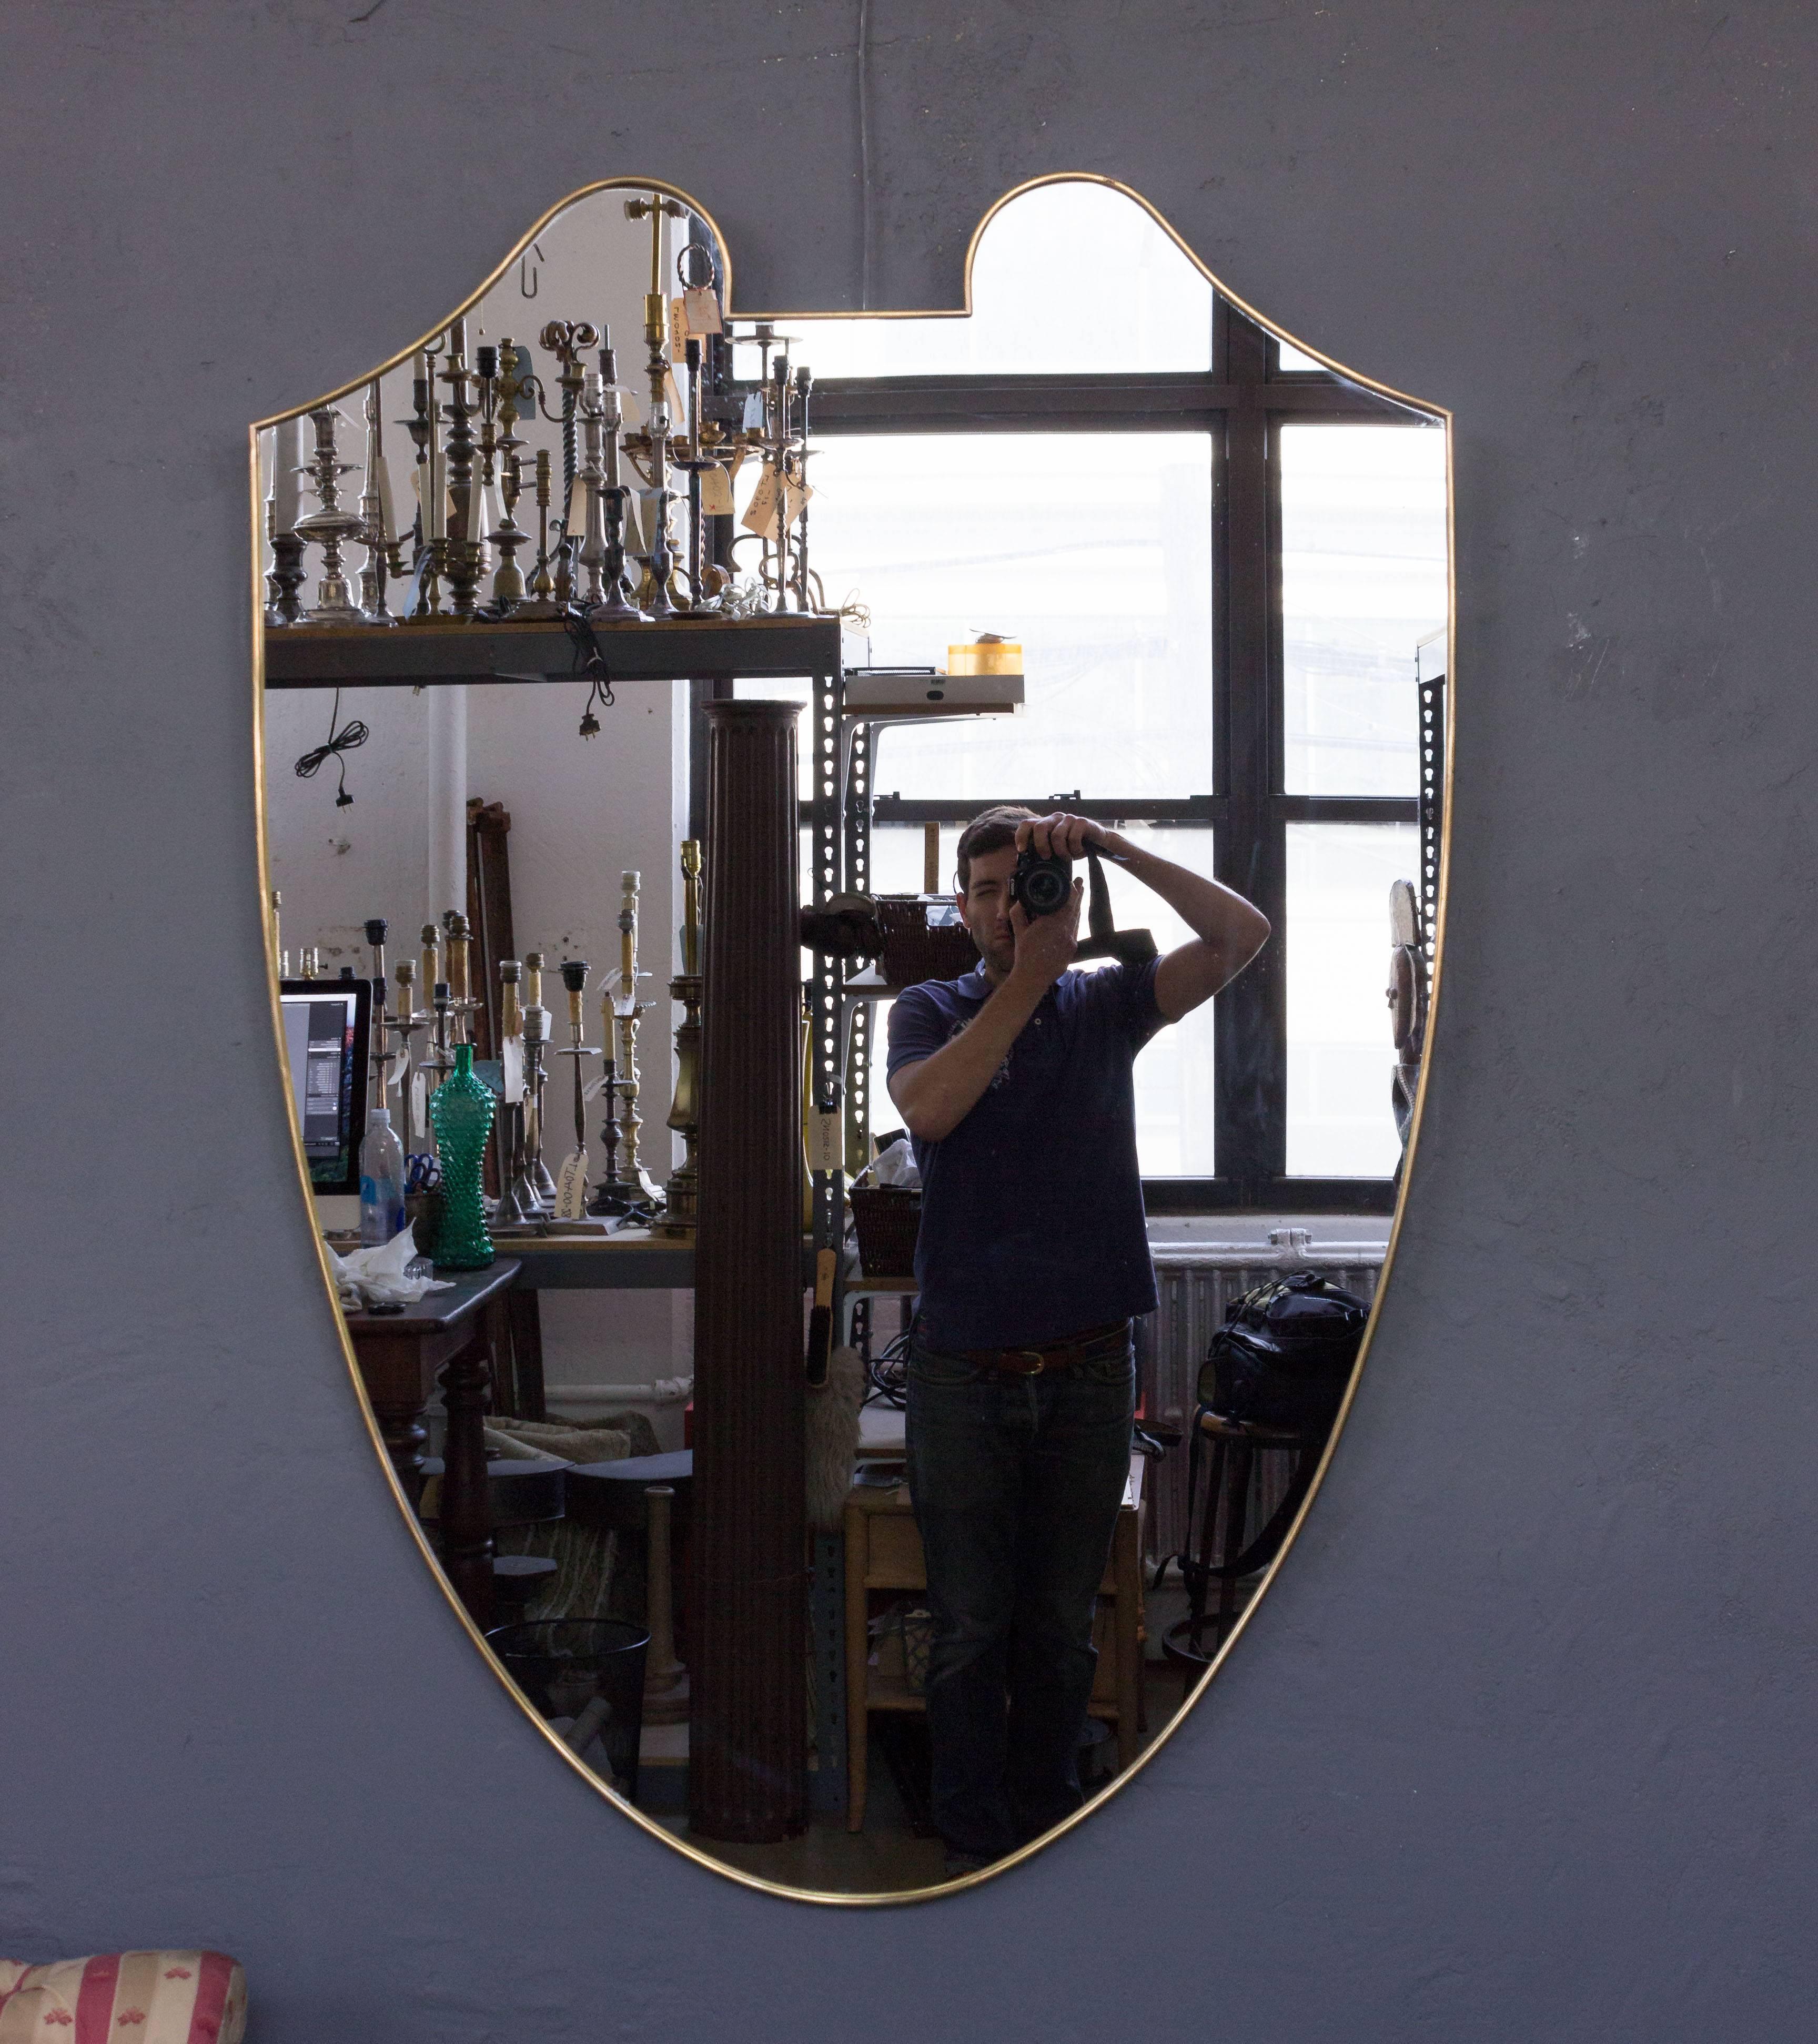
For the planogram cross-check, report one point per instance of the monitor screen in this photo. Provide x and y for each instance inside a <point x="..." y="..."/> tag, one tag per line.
<point x="327" y="1036"/>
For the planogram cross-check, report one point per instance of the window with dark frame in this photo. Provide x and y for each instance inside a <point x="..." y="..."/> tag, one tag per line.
<point x="1309" y="828"/>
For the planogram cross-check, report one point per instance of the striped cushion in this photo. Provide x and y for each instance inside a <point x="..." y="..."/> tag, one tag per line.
<point x="125" y="1998"/>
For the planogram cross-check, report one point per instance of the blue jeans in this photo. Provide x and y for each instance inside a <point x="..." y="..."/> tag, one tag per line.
<point x="1016" y="1482"/>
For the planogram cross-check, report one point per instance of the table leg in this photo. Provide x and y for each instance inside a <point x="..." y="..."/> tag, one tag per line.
<point x="400" y="1428"/>
<point x="466" y="1522"/>
<point x="526" y="1317"/>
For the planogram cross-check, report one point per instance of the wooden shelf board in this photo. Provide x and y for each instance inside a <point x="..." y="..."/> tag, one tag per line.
<point x="444" y="654"/>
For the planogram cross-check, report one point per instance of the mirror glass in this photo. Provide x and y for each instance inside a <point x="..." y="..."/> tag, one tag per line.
<point x="852" y="1567"/>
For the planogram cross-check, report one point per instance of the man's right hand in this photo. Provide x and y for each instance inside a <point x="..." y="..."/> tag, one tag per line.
<point x="1045" y="946"/>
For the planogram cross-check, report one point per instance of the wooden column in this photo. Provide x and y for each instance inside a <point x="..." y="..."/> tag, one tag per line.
<point x="747" y="1772"/>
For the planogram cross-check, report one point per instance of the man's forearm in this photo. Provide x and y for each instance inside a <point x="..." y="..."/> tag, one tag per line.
<point x="935" y="1095"/>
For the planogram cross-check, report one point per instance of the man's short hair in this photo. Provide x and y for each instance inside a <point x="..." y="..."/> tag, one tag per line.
<point x="991" y="830"/>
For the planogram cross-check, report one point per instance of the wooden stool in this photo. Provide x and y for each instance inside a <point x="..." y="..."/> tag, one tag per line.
<point x="611" y="1495"/>
<point x="1222" y="1554"/>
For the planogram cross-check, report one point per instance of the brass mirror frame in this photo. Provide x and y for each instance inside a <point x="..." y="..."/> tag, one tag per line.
<point x="1189" y="1702"/>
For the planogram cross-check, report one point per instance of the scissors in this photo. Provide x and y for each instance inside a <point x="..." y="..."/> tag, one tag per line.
<point x="423" y="1174"/>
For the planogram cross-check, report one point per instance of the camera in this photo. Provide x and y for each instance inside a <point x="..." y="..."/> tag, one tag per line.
<point x="1041" y="885"/>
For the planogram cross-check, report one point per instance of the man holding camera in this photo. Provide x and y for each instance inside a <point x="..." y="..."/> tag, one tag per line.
<point x="1016" y="1084"/>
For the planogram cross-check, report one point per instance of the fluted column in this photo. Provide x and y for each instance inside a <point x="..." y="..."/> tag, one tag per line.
<point x="748" y="1768"/>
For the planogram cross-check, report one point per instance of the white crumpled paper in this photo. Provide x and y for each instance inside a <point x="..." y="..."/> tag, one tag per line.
<point x="897" y="1166"/>
<point x="377" y="1277"/>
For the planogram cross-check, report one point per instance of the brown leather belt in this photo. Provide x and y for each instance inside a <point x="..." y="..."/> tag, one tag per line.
<point x="1054" y="1355"/>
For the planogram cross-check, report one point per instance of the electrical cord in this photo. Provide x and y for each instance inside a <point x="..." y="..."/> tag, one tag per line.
<point x="888" y="1371"/>
<point x="341" y="742"/>
<point x="591" y="661"/>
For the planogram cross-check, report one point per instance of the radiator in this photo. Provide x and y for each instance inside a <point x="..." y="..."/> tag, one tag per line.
<point x="1195" y="1284"/>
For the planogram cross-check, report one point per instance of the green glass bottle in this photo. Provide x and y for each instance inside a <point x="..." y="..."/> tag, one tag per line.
<point x="461" y="1108"/>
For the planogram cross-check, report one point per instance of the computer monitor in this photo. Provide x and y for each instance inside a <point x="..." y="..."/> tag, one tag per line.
<point x="327" y="1037"/>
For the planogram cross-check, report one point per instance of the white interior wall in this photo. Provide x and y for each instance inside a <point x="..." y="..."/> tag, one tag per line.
<point x="582" y="810"/>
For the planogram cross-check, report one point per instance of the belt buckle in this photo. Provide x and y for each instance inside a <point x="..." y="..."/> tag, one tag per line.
<point x="1037" y="1365"/>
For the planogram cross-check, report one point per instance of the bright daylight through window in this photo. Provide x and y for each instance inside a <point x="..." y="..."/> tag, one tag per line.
<point x="1218" y="559"/>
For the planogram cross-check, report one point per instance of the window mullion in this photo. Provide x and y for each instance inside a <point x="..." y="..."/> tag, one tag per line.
<point x="1251" y="1025"/>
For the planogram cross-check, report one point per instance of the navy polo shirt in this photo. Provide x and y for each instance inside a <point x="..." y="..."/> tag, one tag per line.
<point x="1031" y="1221"/>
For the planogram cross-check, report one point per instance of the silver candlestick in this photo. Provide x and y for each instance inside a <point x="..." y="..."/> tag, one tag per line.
<point x="527" y="1194"/>
<point x="330" y="528"/>
<point x="541" y="1182"/>
<point x="377" y="532"/>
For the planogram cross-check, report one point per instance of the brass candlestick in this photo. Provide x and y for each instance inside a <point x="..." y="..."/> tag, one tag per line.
<point x="655" y="595"/>
<point x="508" y="589"/>
<point x="460" y="983"/>
<point x="539" y="599"/>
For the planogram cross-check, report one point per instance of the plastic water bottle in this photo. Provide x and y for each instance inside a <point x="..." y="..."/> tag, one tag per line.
<point x="381" y="1181"/>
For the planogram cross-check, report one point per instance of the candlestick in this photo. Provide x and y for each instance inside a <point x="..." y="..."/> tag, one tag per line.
<point x="542" y="1183"/>
<point x="681" y="1194"/>
<point x="287" y="498"/>
<point x="514" y="1186"/>
<point x="375" y="532"/>
<point x="331" y="526"/>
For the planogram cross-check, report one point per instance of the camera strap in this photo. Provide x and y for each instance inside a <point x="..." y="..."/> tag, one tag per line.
<point x="1104" y="939"/>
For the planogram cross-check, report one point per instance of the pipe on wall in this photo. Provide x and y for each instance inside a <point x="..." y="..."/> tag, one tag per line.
<point x="448" y="801"/>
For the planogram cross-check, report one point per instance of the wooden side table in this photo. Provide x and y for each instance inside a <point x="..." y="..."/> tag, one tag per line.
<point x="884" y="1552"/>
<point x="400" y="1357"/>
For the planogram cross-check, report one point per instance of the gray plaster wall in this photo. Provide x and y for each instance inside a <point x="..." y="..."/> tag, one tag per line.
<point x="1520" y="1746"/>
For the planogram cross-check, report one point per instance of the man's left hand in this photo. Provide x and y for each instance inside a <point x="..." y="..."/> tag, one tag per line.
<point x="1063" y="836"/>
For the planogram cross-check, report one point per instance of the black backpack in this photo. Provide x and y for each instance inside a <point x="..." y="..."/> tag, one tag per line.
<point x="1284" y="1354"/>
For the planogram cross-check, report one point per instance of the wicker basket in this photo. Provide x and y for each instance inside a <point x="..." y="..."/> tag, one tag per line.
<point x="886" y="1219"/>
<point x="913" y="952"/>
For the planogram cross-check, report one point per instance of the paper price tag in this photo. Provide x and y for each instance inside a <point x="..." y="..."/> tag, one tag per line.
<point x="701" y="311"/>
<point x="419" y="1098"/>
<point x="395" y="1068"/>
<point x="826" y="1142"/>
<point x="795" y="496"/>
<point x="678" y="331"/>
<point x="634" y="539"/>
<point x="716" y="493"/>
<point x="571" y="1186"/>
<point x="760" y="513"/>
<point x="511" y="1070"/>
<point x="754" y="418"/>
